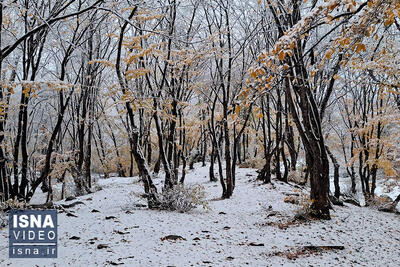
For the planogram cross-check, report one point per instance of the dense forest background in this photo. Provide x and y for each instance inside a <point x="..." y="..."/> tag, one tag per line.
<point x="306" y="91"/>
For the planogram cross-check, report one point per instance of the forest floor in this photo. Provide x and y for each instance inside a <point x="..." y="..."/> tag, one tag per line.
<point x="253" y="228"/>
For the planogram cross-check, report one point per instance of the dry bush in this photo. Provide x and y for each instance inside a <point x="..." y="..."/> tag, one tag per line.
<point x="255" y="163"/>
<point x="379" y="201"/>
<point x="304" y="209"/>
<point x="304" y="204"/>
<point x="13" y="204"/>
<point x="297" y="177"/>
<point x="182" y="199"/>
<point x="291" y="199"/>
<point x="7" y="205"/>
<point x="390" y="185"/>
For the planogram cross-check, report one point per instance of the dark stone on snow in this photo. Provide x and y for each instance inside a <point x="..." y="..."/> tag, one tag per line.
<point x="67" y="206"/>
<point x="172" y="237"/>
<point x="114" y="263"/>
<point x="273" y="213"/>
<point x="320" y="248"/>
<point x="120" y="232"/>
<point x="389" y="207"/>
<point x="70" y="198"/>
<point x="253" y="244"/>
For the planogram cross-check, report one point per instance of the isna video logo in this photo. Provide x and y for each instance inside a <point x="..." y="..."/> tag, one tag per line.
<point x="33" y="234"/>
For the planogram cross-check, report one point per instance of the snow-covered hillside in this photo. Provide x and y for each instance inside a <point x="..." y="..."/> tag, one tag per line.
<point x="254" y="228"/>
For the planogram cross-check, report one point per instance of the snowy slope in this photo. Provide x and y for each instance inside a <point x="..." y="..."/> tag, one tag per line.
<point x="226" y="235"/>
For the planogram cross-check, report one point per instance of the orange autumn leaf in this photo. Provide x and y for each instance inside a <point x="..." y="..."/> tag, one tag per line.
<point x="281" y="56"/>
<point x="237" y="110"/>
<point x="360" y="47"/>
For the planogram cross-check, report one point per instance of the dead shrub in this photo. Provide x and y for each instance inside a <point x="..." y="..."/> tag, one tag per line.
<point x="379" y="201"/>
<point x="296" y="177"/>
<point x="182" y="199"/>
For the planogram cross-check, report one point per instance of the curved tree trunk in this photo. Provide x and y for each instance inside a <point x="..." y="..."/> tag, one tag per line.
<point x="141" y="163"/>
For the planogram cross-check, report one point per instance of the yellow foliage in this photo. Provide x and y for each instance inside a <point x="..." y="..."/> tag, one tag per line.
<point x="237" y="109"/>
<point x="390" y="19"/>
<point x="104" y="62"/>
<point x="281" y="55"/>
<point x="359" y="47"/>
<point x="136" y="73"/>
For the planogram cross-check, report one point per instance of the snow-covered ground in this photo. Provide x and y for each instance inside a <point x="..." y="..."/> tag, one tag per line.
<point x="253" y="228"/>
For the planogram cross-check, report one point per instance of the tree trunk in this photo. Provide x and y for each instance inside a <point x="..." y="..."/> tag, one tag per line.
<point x="143" y="169"/>
<point x="212" y="161"/>
<point x="335" y="173"/>
<point x="313" y="141"/>
<point x="265" y="173"/>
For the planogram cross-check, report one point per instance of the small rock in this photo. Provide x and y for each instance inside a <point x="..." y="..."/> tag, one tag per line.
<point x="70" y="198"/>
<point x="114" y="263"/>
<point x="388" y="207"/>
<point x="120" y="232"/>
<point x="254" y="244"/>
<point x="67" y="206"/>
<point x="172" y="237"/>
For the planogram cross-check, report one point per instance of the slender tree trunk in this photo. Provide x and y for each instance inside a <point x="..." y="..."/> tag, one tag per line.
<point x="212" y="160"/>
<point x="47" y="167"/>
<point x="141" y="163"/>
<point x="167" y="169"/>
<point x="335" y="173"/>
<point x="285" y="164"/>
